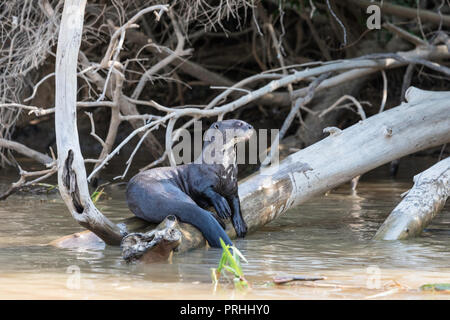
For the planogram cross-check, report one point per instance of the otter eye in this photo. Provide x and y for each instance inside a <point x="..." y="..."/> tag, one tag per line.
<point x="239" y="124"/>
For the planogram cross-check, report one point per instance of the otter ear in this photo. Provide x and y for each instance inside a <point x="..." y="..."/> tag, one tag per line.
<point x="210" y="135"/>
<point x="215" y="125"/>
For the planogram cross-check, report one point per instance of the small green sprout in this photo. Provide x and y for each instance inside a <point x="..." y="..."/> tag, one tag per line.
<point x="49" y="186"/>
<point x="230" y="262"/>
<point x="96" y="195"/>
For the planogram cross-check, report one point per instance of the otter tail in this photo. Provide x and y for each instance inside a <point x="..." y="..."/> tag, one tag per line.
<point x="205" y="222"/>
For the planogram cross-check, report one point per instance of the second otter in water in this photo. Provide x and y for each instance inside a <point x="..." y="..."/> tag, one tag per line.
<point x="186" y="191"/>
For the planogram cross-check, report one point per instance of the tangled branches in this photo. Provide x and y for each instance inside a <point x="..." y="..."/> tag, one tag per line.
<point x="27" y="32"/>
<point x="156" y="55"/>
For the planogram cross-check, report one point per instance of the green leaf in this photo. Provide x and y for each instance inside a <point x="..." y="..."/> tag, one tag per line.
<point x="230" y="258"/>
<point x="96" y="195"/>
<point x="230" y="262"/>
<point x="235" y="250"/>
<point x="49" y="187"/>
<point x="231" y="270"/>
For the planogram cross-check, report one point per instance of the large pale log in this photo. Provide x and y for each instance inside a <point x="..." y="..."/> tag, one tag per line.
<point x="408" y="128"/>
<point x="426" y="198"/>
<point x="71" y="171"/>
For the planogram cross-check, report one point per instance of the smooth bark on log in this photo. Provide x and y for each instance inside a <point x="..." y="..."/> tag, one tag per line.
<point x="408" y="128"/>
<point x="71" y="171"/>
<point x="426" y="198"/>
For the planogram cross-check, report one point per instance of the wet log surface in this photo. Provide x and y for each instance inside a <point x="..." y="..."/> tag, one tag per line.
<point x="426" y="198"/>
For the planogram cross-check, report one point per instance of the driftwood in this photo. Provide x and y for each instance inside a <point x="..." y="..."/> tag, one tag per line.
<point x="426" y="198"/>
<point x="155" y="245"/>
<point x="330" y="162"/>
<point x="71" y="171"/>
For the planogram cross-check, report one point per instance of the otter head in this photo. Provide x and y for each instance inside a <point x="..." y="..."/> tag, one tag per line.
<point x="221" y="138"/>
<point x="230" y="131"/>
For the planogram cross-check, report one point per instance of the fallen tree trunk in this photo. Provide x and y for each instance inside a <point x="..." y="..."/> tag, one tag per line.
<point x="426" y="198"/>
<point x="408" y="128"/>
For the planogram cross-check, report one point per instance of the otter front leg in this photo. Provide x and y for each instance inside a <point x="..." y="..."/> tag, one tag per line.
<point x="219" y="203"/>
<point x="238" y="222"/>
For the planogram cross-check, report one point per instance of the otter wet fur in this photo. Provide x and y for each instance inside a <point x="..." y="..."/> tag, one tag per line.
<point x="187" y="190"/>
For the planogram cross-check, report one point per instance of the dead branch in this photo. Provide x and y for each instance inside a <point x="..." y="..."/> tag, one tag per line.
<point x="404" y="34"/>
<point x="127" y="108"/>
<point x="153" y="246"/>
<point x="115" y="120"/>
<point x="179" y="52"/>
<point x="24" y="175"/>
<point x="301" y="102"/>
<point x="24" y="150"/>
<point x="199" y="72"/>
<point x="120" y="31"/>
<point x="404" y="58"/>
<point x="401" y="11"/>
<point x="421" y="204"/>
<point x="407" y="81"/>
<point x="71" y="171"/>
<point x="360" y="109"/>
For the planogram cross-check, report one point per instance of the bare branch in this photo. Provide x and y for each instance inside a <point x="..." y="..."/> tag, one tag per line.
<point x="24" y="150"/>
<point x="385" y="84"/>
<point x="288" y="121"/>
<point x="359" y="108"/>
<point x="122" y="29"/>
<point x="179" y="52"/>
<point x="22" y="182"/>
<point x="405" y="34"/>
<point x="401" y="11"/>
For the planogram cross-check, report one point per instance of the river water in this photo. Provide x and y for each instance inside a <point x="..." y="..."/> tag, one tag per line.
<point x="329" y="236"/>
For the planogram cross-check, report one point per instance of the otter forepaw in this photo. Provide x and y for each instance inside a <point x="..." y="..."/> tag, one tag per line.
<point x="222" y="208"/>
<point x="241" y="228"/>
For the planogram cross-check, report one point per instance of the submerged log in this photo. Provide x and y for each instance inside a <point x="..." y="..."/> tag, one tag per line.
<point x="426" y="198"/>
<point x="421" y="123"/>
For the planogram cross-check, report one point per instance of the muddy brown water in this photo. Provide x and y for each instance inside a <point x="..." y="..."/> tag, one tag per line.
<point x="329" y="236"/>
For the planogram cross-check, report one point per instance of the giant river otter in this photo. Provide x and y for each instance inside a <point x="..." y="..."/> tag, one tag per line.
<point x="186" y="191"/>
